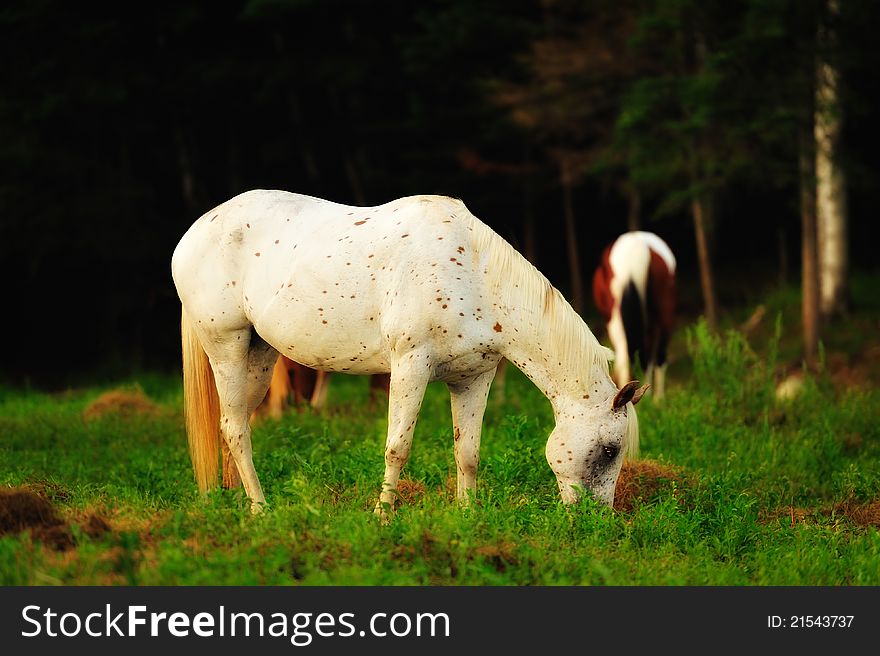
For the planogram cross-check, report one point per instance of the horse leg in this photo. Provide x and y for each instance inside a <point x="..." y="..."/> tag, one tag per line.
<point x="279" y="390"/>
<point x="468" y="405"/>
<point x="409" y="379"/>
<point x="230" y="478"/>
<point x="378" y="388"/>
<point x="660" y="381"/>
<point x="501" y="381"/>
<point x="617" y="336"/>
<point x="319" y="395"/>
<point x="650" y="374"/>
<point x="303" y="382"/>
<point x="242" y="378"/>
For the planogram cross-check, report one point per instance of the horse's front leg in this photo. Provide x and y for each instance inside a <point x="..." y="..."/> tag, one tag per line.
<point x="617" y="336"/>
<point x="409" y="378"/>
<point x="468" y="405"/>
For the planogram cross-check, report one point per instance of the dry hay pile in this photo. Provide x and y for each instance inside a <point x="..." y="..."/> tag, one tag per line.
<point x="643" y="480"/>
<point x="22" y="509"/>
<point x="409" y="491"/>
<point x="126" y="403"/>
<point x="862" y="514"/>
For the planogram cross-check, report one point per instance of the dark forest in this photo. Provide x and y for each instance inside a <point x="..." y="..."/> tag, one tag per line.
<point x="121" y="127"/>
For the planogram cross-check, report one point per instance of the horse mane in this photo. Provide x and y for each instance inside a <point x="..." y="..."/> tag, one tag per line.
<point x="517" y="283"/>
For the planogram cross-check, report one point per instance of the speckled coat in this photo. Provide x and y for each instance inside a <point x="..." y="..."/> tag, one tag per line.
<point x="417" y="287"/>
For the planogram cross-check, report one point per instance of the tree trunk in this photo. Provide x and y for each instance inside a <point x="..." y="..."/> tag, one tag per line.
<point x="831" y="213"/>
<point x="571" y="243"/>
<point x="700" y="206"/>
<point x="809" y="250"/>
<point x="707" y="281"/>
<point x="634" y="207"/>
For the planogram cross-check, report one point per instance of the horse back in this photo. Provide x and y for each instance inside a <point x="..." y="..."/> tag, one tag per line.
<point x="336" y="287"/>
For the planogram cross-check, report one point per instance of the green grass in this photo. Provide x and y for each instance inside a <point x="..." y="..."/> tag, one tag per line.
<point x="764" y="493"/>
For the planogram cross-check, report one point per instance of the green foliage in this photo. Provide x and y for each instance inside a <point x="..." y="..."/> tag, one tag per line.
<point x="764" y="492"/>
<point x="729" y="371"/>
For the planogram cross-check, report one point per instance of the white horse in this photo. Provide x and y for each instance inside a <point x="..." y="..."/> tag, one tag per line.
<point x="417" y="287"/>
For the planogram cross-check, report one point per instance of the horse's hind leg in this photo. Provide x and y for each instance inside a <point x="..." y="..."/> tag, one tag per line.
<point x="379" y="384"/>
<point x="468" y="405"/>
<point x="260" y="355"/>
<point x="319" y="394"/>
<point x="242" y="375"/>
<point x="279" y="390"/>
<point x="500" y="383"/>
<point x="230" y="477"/>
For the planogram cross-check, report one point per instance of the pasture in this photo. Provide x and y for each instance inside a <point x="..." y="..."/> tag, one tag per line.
<point x="732" y="488"/>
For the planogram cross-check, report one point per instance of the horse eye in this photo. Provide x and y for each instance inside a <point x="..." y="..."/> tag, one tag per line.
<point x="610" y="451"/>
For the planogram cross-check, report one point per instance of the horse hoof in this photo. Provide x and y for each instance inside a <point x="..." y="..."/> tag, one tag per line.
<point x="257" y="508"/>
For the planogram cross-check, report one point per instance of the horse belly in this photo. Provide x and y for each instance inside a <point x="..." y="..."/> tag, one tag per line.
<point x="330" y="334"/>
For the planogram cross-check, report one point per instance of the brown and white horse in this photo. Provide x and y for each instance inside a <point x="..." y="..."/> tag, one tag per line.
<point x="634" y="290"/>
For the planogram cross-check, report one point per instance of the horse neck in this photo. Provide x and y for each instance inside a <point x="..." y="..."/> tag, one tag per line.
<point x="538" y="330"/>
<point x="564" y="382"/>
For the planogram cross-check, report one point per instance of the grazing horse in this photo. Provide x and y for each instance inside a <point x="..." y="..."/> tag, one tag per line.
<point x="418" y="288"/>
<point x="634" y="290"/>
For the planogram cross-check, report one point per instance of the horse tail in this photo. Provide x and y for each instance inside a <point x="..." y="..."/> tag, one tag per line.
<point x="632" y="313"/>
<point x="201" y="407"/>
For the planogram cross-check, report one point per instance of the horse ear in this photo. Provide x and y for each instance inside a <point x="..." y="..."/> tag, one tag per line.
<point x="629" y="392"/>
<point x="640" y="393"/>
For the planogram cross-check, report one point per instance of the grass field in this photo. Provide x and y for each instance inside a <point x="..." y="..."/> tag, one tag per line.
<point x="732" y="488"/>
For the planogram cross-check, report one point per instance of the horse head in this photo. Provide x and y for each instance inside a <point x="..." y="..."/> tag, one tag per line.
<point x="587" y="447"/>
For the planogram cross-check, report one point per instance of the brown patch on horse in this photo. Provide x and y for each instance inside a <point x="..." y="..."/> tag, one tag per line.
<point x="660" y="301"/>
<point x="497" y="327"/>
<point x="602" y="286"/>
